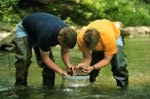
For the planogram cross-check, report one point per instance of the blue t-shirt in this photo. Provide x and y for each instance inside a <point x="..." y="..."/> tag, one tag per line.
<point x="43" y="29"/>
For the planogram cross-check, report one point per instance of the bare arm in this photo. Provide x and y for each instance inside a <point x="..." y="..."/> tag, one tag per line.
<point x="103" y="62"/>
<point x="86" y="59"/>
<point x="100" y="64"/>
<point x="50" y="63"/>
<point x="65" y="55"/>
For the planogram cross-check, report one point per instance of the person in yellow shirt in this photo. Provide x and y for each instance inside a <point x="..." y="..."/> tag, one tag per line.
<point x="101" y="43"/>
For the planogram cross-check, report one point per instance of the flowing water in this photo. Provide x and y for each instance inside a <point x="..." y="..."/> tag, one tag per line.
<point x="95" y="91"/>
<point x="105" y="88"/>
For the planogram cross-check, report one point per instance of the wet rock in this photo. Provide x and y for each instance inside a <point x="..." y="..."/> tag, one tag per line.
<point x="6" y="39"/>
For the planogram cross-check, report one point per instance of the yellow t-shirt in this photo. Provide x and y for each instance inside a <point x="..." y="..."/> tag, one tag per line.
<point x="108" y="35"/>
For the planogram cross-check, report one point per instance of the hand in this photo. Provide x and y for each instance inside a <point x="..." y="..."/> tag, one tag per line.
<point x="79" y="66"/>
<point x="64" y="73"/>
<point x="87" y="69"/>
<point x="70" y="69"/>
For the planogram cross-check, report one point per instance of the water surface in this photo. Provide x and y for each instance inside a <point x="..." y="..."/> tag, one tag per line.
<point x="138" y="55"/>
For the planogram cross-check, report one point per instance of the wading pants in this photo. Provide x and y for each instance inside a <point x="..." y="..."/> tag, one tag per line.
<point x="118" y="66"/>
<point x="23" y="61"/>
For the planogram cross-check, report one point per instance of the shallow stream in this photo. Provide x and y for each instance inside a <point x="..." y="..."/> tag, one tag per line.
<point x="139" y="80"/>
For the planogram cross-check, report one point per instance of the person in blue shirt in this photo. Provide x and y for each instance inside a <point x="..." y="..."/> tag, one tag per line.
<point x="42" y="31"/>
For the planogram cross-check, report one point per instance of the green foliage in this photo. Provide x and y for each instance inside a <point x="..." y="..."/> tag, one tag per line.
<point x="81" y="12"/>
<point x="7" y="13"/>
<point x="130" y="12"/>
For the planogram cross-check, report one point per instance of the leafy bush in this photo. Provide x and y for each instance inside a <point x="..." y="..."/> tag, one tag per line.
<point x="7" y="13"/>
<point x="130" y="12"/>
<point x="81" y="12"/>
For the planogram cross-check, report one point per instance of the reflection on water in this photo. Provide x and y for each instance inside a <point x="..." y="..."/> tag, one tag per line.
<point x="39" y="93"/>
<point x="92" y="92"/>
<point x="139" y="87"/>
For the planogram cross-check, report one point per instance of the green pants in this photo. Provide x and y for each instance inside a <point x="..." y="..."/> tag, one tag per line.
<point x="118" y="65"/>
<point x="23" y="60"/>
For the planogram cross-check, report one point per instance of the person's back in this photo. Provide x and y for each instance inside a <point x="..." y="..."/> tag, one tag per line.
<point x="106" y="27"/>
<point x="43" y="29"/>
<point x="108" y="35"/>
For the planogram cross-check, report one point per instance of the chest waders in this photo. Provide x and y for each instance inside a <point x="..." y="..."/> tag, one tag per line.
<point x="23" y="60"/>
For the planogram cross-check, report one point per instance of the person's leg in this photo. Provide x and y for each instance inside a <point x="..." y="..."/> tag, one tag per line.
<point x="23" y="60"/>
<point x="96" y="57"/>
<point x="47" y="73"/>
<point x="119" y="70"/>
<point x="23" y="56"/>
